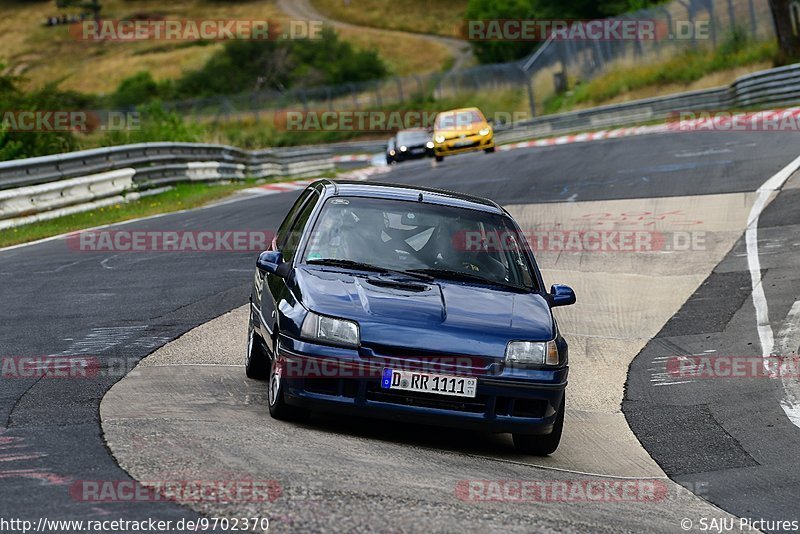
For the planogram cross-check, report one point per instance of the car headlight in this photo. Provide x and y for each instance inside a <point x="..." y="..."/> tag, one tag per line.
<point x="485" y="131"/>
<point x="403" y="148"/>
<point x="439" y="139"/>
<point x="392" y="152"/>
<point x="532" y="352"/>
<point x="330" y="330"/>
<point x="429" y="144"/>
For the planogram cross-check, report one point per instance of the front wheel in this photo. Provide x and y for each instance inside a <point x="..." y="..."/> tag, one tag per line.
<point x="278" y="408"/>
<point x="439" y="158"/>
<point x="542" y="445"/>
<point x="488" y="150"/>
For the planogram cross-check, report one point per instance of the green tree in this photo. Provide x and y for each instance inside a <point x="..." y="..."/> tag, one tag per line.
<point x="496" y="51"/>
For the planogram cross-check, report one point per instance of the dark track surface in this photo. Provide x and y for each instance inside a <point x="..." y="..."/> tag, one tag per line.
<point x="58" y="301"/>
<point x="729" y="436"/>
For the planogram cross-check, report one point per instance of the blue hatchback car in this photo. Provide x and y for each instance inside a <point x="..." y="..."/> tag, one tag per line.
<point x="412" y="304"/>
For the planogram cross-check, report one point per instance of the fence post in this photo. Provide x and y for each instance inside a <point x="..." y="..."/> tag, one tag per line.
<point x="690" y="15"/>
<point x="732" y="14"/>
<point x="526" y="79"/>
<point x="753" y="24"/>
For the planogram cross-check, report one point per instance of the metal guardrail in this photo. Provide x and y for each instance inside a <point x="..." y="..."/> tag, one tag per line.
<point x="171" y="158"/>
<point x="40" y="188"/>
<point x="773" y="87"/>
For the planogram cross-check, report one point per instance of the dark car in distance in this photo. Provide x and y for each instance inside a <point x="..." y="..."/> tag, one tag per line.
<point x="396" y="302"/>
<point x="409" y="144"/>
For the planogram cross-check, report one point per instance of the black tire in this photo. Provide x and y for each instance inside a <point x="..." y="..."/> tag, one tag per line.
<point x="489" y="150"/>
<point x="439" y="158"/>
<point x="256" y="362"/>
<point x="278" y="408"/>
<point x="542" y="445"/>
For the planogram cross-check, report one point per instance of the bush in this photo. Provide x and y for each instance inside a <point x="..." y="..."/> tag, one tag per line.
<point x="156" y="124"/>
<point x="138" y="89"/>
<point x="243" y="66"/>
<point x="28" y="144"/>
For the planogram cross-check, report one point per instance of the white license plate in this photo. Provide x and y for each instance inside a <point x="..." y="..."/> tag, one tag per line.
<point x="465" y="142"/>
<point x="457" y="386"/>
<point x="418" y="151"/>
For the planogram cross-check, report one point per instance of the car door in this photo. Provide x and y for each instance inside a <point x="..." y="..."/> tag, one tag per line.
<point x="260" y="276"/>
<point x="286" y="241"/>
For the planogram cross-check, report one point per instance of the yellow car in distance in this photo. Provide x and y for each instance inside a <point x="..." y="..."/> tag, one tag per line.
<point x="461" y="130"/>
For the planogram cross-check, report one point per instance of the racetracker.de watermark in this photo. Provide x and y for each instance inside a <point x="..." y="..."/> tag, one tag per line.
<point x="170" y="241"/>
<point x="65" y="367"/>
<point x="309" y="367"/>
<point x="779" y="120"/>
<point x="195" y="30"/>
<point x="561" y="240"/>
<point x="527" y="30"/>
<point x="564" y="491"/>
<point x="83" y="121"/>
<point x="710" y="366"/>
<point x="362" y="120"/>
<point x="181" y="491"/>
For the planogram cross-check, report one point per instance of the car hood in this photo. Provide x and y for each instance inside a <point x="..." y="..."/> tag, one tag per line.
<point x="452" y="133"/>
<point x="439" y="316"/>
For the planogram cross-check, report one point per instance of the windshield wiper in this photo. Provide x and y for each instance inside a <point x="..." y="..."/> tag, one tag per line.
<point x="450" y="274"/>
<point x="350" y="264"/>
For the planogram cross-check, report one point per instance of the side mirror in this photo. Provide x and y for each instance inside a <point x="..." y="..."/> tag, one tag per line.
<point x="490" y="121"/>
<point x="270" y="261"/>
<point x="561" y="295"/>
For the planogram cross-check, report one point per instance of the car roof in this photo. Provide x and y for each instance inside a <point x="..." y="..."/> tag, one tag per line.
<point x="408" y="193"/>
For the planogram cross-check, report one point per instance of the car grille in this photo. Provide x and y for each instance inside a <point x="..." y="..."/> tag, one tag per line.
<point x="432" y="362"/>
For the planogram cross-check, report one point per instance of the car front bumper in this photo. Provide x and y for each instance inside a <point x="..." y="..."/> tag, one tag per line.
<point x="504" y="403"/>
<point x="475" y="142"/>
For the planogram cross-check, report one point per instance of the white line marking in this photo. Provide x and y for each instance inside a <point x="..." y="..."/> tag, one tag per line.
<point x="765" y="334"/>
<point x="788" y="341"/>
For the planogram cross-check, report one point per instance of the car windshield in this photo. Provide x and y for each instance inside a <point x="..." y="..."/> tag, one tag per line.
<point x="455" y="120"/>
<point x="412" y="138"/>
<point x="446" y="242"/>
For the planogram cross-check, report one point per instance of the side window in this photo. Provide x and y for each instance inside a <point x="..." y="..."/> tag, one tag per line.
<point x="295" y="233"/>
<point x="290" y="217"/>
